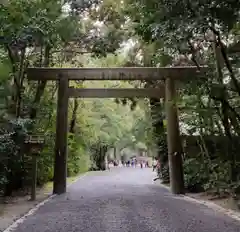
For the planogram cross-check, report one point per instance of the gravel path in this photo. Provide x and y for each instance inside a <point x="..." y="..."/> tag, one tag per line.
<point x="124" y="199"/>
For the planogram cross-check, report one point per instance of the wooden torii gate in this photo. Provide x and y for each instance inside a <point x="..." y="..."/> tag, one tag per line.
<point x="64" y="75"/>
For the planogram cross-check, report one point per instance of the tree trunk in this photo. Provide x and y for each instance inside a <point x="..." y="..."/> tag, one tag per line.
<point x="159" y="134"/>
<point x="74" y="116"/>
<point x="115" y="153"/>
<point x="225" y="112"/>
<point x="41" y="85"/>
<point x="19" y="84"/>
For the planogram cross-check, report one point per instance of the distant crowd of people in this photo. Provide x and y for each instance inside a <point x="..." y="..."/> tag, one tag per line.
<point x="135" y="163"/>
<point x="142" y="163"/>
<point x="131" y="163"/>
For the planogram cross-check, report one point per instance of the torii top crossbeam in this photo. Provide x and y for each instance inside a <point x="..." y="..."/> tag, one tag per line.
<point x="128" y="73"/>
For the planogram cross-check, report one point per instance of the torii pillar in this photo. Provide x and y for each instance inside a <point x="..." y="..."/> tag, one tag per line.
<point x="173" y="139"/>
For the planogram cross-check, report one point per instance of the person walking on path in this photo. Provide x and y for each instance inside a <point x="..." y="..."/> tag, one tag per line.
<point x="146" y="165"/>
<point x="158" y="171"/>
<point x="135" y="163"/>
<point x="132" y="163"/>
<point x="154" y="164"/>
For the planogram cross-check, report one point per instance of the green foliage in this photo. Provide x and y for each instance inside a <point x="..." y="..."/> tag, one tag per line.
<point x="12" y="159"/>
<point x="196" y="174"/>
<point x="78" y="159"/>
<point x="178" y="21"/>
<point x="210" y="176"/>
<point x="219" y="178"/>
<point x="45" y="161"/>
<point x="113" y="125"/>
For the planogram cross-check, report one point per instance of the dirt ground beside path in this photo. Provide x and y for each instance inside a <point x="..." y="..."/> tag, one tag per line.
<point x="225" y="202"/>
<point x="15" y="207"/>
